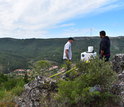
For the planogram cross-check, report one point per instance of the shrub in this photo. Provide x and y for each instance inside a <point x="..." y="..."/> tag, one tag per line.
<point x="11" y="83"/>
<point x="17" y="90"/>
<point x="3" y="78"/>
<point x="92" y="86"/>
<point x="2" y="94"/>
<point x="11" y="88"/>
<point x="41" y="67"/>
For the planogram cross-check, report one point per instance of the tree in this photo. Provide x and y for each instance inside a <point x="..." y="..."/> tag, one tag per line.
<point x="41" y="67"/>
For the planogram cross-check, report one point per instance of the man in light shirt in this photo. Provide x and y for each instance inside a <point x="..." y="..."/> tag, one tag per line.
<point x="67" y="54"/>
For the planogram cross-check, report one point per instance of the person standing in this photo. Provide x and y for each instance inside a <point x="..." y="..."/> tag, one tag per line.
<point x="104" y="50"/>
<point x="67" y="54"/>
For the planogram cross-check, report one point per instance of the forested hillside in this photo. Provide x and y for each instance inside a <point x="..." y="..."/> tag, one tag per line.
<point x="19" y="53"/>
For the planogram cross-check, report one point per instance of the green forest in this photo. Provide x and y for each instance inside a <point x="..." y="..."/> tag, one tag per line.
<point x="21" y="53"/>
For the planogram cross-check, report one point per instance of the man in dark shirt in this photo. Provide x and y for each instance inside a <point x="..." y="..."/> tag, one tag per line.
<point x="104" y="50"/>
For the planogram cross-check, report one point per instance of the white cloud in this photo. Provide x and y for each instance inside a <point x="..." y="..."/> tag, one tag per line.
<point x="29" y="18"/>
<point x="78" y="32"/>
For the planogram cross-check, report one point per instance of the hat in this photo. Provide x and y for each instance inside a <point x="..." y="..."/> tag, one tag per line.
<point x="71" y="38"/>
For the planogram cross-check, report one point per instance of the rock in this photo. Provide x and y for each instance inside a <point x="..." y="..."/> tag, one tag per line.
<point x="118" y="63"/>
<point x="95" y="88"/>
<point x="118" y="67"/>
<point x="121" y="76"/>
<point x="35" y="90"/>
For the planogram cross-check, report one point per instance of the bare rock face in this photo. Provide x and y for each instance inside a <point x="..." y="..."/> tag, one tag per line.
<point x="118" y="66"/>
<point x="118" y="63"/>
<point x="35" y="91"/>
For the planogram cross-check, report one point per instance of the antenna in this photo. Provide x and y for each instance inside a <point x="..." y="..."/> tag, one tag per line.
<point x="91" y="30"/>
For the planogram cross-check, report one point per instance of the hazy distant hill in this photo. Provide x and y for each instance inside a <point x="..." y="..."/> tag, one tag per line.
<point x="17" y="53"/>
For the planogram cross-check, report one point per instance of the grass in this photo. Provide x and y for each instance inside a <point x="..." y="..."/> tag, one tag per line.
<point x="10" y="88"/>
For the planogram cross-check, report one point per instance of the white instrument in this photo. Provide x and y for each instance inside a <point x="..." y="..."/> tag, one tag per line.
<point x="86" y="56"/>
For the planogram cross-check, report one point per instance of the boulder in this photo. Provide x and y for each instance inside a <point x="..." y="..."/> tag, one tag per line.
<point x="35" y="91"/>
<point x="118" y="67"/>
<point x="118" y="63"/>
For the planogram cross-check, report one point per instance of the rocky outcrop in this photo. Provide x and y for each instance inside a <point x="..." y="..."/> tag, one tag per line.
<point x="118" y="66"/>
<point x="36" y="91"/>
<point x="118" y="63"/>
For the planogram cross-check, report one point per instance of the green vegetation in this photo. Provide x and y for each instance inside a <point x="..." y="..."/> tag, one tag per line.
<point x="20" y="53"/>
<point x="92" y="85"/>
<point x="86" y="84"/>
<point x="42" y="68"/>
<point x="10" y="87"/>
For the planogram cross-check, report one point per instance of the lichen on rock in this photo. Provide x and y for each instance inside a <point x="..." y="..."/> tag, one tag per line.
<point x="118" y="66"/>
<point x="35" y="91"/>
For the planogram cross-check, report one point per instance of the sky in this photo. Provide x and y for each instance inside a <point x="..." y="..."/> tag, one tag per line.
<point x="60" y="18"/>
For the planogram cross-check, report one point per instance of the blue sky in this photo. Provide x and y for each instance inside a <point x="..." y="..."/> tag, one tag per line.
<point x="111" y="21"/>
<point x="60" y="18"/>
